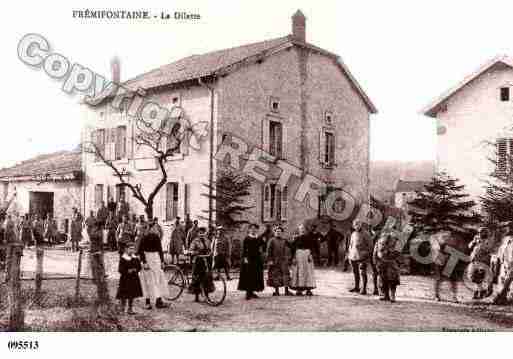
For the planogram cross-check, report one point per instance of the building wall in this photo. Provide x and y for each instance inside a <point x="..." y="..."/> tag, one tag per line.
<point x="244" y="98"/>
<point x="189" y="168"/>
<point x="66" y="196"/>
<point x="474" y="115"/>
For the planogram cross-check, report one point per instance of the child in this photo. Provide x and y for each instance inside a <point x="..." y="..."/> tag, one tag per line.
<point x="386" y="257"/>
<point x="129" y="284"/>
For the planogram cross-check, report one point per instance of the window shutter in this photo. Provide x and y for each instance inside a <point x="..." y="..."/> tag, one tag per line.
<point x="169" y="200"/>
<point x="284" y="203"/>
<point x="266" y="203"/>
<point x="266" y="136"/>
<point x="502" y="154"/>
<point x="279" y="140"/>
<point x="120" y="140"/>
<point x="184" y="146"/>
<point x="322" y="147"/>
<point x="175" y="200"/>
<point x="186" y="207"/>
<point x="284" y="141"/>
<point x="334" y="150"/>
<point x="94" y="141"/>
<point x="278" y="201"/>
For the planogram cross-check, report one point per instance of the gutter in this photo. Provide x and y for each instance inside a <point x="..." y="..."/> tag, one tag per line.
<point x="211" y="152"/>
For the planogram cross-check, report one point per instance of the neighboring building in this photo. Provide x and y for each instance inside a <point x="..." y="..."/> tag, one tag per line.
<point x="293" y="99"/>
<point x="470" y="116"/>
<point x="386" y="174"/>
<point x="405" y="191"/>
<point x="45" y="184"/>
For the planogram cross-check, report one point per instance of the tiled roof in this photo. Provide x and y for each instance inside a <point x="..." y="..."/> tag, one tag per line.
<point x="54" y="166"/>
<point x="218" y="62"/>
<point x="409" y="186"/>
<point x="196" y="66"/>
<point x="432" y="108"/>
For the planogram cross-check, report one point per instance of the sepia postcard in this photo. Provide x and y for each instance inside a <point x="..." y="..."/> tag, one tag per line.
<point x="244" y="167"/>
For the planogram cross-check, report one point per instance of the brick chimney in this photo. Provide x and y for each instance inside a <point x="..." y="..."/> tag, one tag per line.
<point x="299" y="26"/>
<point x="115" y="69"/>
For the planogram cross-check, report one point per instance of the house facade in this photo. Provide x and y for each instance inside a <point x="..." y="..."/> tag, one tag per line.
<point x="405" y="191"/>
<point x="474" y="121"/>
<point x="46" y="184"/>
<point x="293" y="100"/>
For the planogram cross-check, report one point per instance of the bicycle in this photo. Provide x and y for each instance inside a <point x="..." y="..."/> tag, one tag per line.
<point x="178" y="282"/>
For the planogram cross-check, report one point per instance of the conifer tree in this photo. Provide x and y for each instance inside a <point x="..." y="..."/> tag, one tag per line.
<point x="443" y="205"/>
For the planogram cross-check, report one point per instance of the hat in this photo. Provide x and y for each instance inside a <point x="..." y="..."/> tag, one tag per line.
<point x="253" y="225"/>
<point x="219" y="227"/>
<point x="202" y="229"/>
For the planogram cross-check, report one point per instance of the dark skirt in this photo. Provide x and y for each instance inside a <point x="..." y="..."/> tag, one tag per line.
<point x="220" y="261"/>
<point x="201" y="276"/>
<point x="251" y="276"/>
<point x="129" y="286"/>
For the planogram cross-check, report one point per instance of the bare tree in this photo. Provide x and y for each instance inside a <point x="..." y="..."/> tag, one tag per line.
<point x="163" y="138"/>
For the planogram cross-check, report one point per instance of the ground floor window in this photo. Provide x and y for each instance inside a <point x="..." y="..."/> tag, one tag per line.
<point x="98" y="195"/>
<point x="274" y="198"/>
<point x="171" y="200"/>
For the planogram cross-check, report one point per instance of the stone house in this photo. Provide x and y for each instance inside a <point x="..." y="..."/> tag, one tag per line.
<point x="50" y="183"/>
<point x="289" y="98"/>
<point x="405" y="191"/>
<point x="472" y="117"/>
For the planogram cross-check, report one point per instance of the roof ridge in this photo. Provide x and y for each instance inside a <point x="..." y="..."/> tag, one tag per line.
<point x="208" y="53"/>
<point x="431" y="108"/>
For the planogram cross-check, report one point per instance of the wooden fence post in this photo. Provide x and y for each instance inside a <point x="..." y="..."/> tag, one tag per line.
<point x="39" y="273"/>
<point x="16" y="314"/>
<point x="98" y="271"/>
<point x="79" y="272"/>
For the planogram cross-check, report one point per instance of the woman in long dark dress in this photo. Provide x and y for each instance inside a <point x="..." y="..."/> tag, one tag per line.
<point x="129" y="284"/>
<point x="251" y="278"/>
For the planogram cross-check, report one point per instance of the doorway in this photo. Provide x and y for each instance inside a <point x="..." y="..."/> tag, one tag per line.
<point x="41" y="203"/>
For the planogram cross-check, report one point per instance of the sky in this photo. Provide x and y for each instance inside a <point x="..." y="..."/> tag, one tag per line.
<point x="404" y="54"/>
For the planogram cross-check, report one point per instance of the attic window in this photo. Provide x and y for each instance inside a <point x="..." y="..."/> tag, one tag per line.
<point x="504" y="94"/>
<point x="175" y="99"/>
<point x="274" y="104"/>
<point x="328" y="117"/>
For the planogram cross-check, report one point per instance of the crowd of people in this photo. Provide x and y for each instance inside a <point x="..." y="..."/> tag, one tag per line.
<point x="290" y="261"/>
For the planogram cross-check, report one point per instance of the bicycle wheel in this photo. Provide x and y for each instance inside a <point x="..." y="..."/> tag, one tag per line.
<point x="175" y="282"/>
<point x="217" y="296"/>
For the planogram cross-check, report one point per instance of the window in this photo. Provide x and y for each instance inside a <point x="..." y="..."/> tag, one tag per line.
<point x="504" y="93"/>
<point x="274" y="104"/>
<point x="171" y="140"/>
<point x="328" y="117"/>
<point x="504" y="152"/>
<point x="171" y="200"/>
<point x="330" y="149"/>
<point x="98" y="139"/>
<point x="274" y="203"/>
<point x="120" y="192"/>
<point x="98" y="195"/>
<point x="275" y="138"/>
<point x="120" y="138"/>
<point x="175" y="99"/>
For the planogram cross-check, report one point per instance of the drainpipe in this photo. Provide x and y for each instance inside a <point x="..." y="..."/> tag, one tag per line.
<point x="211" y="150"/>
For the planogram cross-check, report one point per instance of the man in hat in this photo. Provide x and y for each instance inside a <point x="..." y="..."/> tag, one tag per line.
<point x="360" y="251"/>
<point x="480" y="247"/>
<point x="505" y="257"/>
<point x="221" y="248"/>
